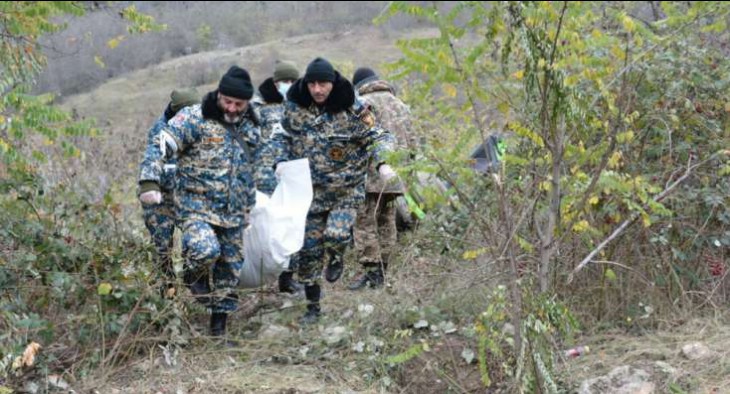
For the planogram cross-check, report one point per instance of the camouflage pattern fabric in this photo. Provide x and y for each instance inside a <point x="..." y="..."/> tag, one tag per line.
<point x="326" y="237"/>
<point x="214" y="191"/>
<point x="214" y="174"/>
<point x="270" y="116"/>
<point x="168" y="167"/>
<point x="160" y="222"/>
<point x="375" y="233"/>
<point x="216" y="250"/>
<point x="338" y="147"/>
<point x="393" y="115"/>
<point x="160" y="218"/>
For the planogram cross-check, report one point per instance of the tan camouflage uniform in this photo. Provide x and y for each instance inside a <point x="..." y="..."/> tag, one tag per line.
<point x="374" y="231"/>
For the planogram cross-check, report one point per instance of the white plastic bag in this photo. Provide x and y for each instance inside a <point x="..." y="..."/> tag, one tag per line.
<point x="276" y="229"/>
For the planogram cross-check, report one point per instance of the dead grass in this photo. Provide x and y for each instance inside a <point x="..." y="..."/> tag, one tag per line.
<point x="613" y="349"/>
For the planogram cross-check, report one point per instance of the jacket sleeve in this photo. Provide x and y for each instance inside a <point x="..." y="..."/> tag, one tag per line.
<point x="150" y="169"/>
<point x="278" y="148"/>
<point x="165" y="140"/>
<point x="378" y="140"/>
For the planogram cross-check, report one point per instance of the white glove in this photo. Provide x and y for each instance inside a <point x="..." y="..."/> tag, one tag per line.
<point x="151" y="197"/>
<point x="386" y="173"/>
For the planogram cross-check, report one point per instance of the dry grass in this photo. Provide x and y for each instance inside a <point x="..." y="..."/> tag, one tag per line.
<point x="276" y="355"/>
<point x="613" y="349"/>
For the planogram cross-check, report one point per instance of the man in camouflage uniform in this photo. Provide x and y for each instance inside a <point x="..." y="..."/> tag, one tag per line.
<point x="270" y="109"/>
<point x="324" y="123"/>
<point x="375" y="231"/>
<point x="272" y="93"/>
<point x="160" y="218"/>
<point x="213" y="142"/>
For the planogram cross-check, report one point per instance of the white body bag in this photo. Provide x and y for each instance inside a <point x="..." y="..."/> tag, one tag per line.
<point x="277" y="223"/>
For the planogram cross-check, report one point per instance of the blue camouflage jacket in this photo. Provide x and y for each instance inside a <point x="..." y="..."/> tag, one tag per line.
<point x="167" y="176"/>
<point x="215" y="172"/>
<point x="338" y="141"/>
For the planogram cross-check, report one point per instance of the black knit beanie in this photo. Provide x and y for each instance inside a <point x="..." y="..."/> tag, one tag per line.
<point x="236" y="83"/>
<point x="362" y="74"/>
<point x="320" y="70"/>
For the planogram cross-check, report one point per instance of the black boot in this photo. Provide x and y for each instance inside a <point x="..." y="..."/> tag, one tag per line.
<point x="287" y="284"/>
<point x="198" y="284"/>
<point x="313" y="294"/>
<point x="373" y="278"/>
<point x="333" y="271"/>
<point x="218" y="324"/>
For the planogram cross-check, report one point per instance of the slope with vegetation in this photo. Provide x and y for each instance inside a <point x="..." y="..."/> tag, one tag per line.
<point x="607" y="224"/>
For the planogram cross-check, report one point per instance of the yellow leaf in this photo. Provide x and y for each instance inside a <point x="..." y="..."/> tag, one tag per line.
<point x="615" y="160"/>
<point x="47" y="142"/>
<point x="541" y="63"/>
<point x="581" y="226"/>
<point x="473" y="254"/>
<point x="618" y="52"/>
<point x="626" y="136"/>
<point x="524" y="245"/>
<point x="114" y="42"/>
<point x="596" y="33"/>
<point x="104" y="289"/>
<point x="99" y="62"/>
<point x="546" y="186"/>
<point x="645" y="220"/>
<point x="571" y="80"/>
<point x="519" y="74"/>
<point x="503" y="107"/>
<point x="450" y="90"/>
<point x="593" y="200"/>
<point x="629" y="24"/>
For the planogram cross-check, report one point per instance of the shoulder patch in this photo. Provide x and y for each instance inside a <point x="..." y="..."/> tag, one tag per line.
<point x="367" y="117"/>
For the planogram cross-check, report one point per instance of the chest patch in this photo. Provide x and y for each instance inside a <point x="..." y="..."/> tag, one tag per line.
<point x="336" y="153"/>
<point x="213" y="140"/>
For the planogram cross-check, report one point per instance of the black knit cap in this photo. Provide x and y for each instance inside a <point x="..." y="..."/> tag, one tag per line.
<point x="320" y="70"/>
<point x="236" y="83"/>
<point x="362" y="74"/>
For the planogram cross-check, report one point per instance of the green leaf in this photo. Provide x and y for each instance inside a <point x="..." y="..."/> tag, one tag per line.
<point x="104" y="289"/>
<point x="410" y="353"/>
<point x="609" y="274"/>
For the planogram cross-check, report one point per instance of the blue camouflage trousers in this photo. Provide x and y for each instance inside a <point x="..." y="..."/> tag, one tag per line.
<point x="216" y="253"/>
<point x="327" y="235"/>
<point x="160" y="222"/>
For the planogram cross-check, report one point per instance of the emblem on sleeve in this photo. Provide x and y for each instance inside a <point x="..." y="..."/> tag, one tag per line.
<point x="367" y="118"/>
